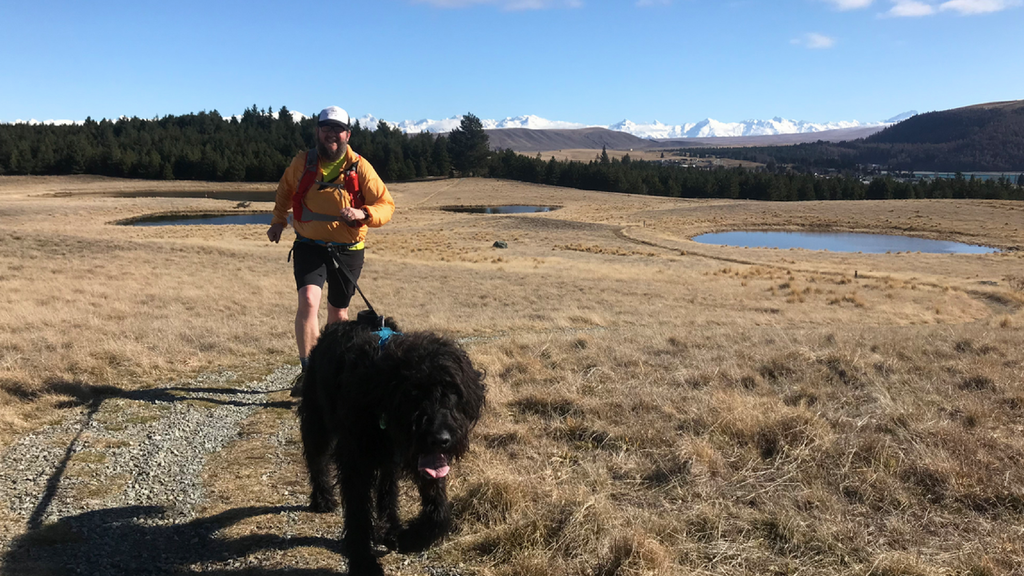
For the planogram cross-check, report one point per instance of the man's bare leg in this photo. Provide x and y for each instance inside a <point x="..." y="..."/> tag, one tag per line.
<point x="336" y="314"/>
<point x="307" y="324"/>
<point x="307" y="328"/>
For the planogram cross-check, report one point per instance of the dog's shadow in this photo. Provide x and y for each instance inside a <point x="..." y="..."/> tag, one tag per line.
<point x="126" y="541"/>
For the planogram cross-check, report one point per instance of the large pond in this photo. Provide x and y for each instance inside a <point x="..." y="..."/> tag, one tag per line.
<point x="840" y="242"/>
<point x="194" y="219"/>
<point x="514" y="209"/>
<point x="247" y="196"/>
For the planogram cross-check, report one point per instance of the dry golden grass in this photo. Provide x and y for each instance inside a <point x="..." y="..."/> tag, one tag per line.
<point x="586" y="155"/>
<point x="655" y="406"/>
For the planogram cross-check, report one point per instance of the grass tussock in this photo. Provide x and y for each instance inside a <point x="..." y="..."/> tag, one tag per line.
<point x="1016" y="283"/>
<point x="607" y="250"/>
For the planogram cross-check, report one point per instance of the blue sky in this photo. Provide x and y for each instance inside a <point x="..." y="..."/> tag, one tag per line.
<point x="580" y="61"/>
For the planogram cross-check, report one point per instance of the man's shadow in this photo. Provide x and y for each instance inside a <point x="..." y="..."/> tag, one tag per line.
<point x="80" y="393"/>
<point x="123" y="541"/>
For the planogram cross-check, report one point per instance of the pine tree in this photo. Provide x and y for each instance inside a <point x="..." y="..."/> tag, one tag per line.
<point x="440" y="161"/>
<point x="468" y="145"/>
<point x="285" y="116"/>
<point x="604" y="155"/>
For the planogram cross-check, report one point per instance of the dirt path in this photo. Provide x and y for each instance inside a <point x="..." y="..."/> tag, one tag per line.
<point x="118" y="489"/>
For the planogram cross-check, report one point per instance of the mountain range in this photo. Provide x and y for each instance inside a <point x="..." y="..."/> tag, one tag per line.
<point x="980" y="138"/>
<point x="707" y="128"/>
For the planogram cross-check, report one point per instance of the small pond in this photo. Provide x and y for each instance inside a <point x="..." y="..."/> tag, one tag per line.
<point x="194" y="219"/>
<point x="248" y="196"/>
<point x="515" y="209"/>
<point x="840" y="242"/>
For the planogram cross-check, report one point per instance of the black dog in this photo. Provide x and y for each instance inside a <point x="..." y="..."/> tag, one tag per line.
<point x="378" y="408"/>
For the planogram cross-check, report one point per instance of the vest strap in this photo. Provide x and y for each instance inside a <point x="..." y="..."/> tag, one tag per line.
<point x="350" y="182"/>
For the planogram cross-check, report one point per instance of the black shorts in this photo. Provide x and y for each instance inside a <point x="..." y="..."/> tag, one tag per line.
<point x="313" y="265"/>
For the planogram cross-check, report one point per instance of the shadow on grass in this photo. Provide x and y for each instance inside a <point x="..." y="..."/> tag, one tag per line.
<point x="125" y="541"/>
<point x="84" y="394"/>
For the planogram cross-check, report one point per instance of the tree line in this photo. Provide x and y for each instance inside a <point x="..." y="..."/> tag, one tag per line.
<point x="259" y="145"/>
<point x="658" y="179"/>
<point x="255" y="147"/>
<point x="981" y="156"/>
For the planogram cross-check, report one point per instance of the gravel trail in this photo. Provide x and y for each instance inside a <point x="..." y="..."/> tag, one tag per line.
<point x="114" y="489"/>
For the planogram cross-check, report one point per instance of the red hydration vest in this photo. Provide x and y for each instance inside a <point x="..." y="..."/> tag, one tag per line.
<point x="301" y="213"/>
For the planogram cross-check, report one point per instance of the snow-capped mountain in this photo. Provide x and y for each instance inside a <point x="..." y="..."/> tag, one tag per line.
<point x="901" y="117"/>
<point x="710" y="128"/>
<point x="449" y="124"/>
<point x="531" y="122"/>
<point x="707" y="128"/>
<point x="34" y="122"/>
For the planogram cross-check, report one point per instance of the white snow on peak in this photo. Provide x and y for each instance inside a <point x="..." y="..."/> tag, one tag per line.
<point x="448" y="124"/>
<point x="532" y="122"/>
<point x="34" y="122"/>
<point x="707" y="128"/>
<point x="901" y="117"/>
<point x="711" y="128"/>
<point x="296" y="116"/>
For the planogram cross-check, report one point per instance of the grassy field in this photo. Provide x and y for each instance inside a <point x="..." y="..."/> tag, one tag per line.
<point x="586" y="155"/>
<point x="656" y="406"/>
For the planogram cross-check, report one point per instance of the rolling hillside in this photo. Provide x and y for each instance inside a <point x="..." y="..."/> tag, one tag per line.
<point x="980" y="138"/>
<point x="525" y="140"/>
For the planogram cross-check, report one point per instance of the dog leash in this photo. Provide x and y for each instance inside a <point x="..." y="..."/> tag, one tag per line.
<point x="333" y="251"/>
<point x="383" y="332"/>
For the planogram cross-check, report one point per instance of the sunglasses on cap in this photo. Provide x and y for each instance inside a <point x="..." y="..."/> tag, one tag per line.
<point x="336" y="128"/>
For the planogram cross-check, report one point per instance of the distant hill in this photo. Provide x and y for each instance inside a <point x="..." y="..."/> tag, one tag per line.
<point x="526" y="140"/>
<point x="980" y="138"/>
<point x="984" y="122"/>
<point x="840" y="135"/>
<point x="974" y="138"/>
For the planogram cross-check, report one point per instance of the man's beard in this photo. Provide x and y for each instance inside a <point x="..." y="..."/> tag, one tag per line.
<point x="326" y="154"/>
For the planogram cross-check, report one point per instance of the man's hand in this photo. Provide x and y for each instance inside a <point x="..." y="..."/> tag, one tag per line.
<point x="274" y="232"/>
<point x="354" y="216"/>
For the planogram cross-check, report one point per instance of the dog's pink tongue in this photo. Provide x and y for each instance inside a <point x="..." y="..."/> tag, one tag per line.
<point x="434" y="465"/>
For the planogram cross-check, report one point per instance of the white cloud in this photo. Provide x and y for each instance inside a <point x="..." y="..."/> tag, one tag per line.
<point x="978" y="6"/>
<point x="451" y="3"/>
<point x="504" y="4"/>
<point x="910" y="9"/>
<point x="849" y="4"/>
<point x="918" y="8"/>
<point x="524" y="5"/>
<point x="814" y="41"/>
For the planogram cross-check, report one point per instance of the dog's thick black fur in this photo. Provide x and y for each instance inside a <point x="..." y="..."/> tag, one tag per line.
<point x="376" y="413"/>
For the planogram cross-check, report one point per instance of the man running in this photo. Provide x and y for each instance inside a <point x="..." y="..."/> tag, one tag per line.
<point x="335" y="196"/>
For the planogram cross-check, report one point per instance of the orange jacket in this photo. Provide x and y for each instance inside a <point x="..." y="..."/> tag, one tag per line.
<point x="379" y="204"/>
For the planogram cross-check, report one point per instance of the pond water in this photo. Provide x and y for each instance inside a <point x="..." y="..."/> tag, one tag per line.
<point x="516" y="209"/>
<point x="193" y="219"/>
<point x="251" y="196"/>
<point x="840" y="242"/>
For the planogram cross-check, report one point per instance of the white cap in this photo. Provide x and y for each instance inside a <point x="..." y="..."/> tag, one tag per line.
<point x="333" y="115"/>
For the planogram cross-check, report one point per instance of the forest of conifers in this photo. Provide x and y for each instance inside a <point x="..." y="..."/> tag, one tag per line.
<point x="259" y="145"/>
